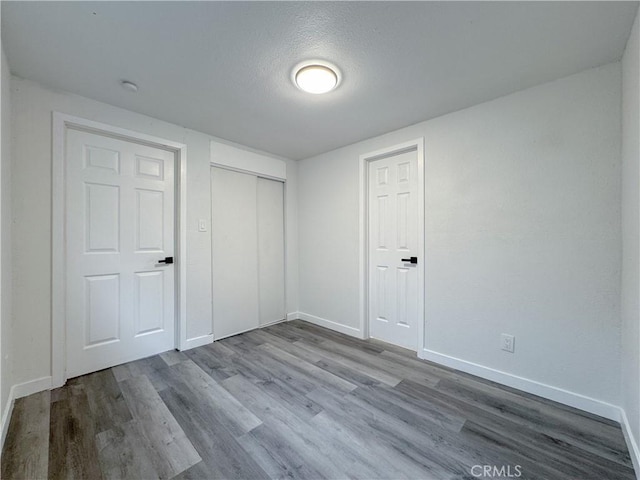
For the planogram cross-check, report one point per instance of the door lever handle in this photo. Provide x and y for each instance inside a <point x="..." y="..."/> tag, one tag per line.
<point x="410" y="260"/>
<point x="167" y="260"/>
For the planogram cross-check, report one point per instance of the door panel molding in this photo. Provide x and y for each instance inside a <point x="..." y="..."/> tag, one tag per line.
<point x="416" y="145"/>
<point x="60" y="124"/>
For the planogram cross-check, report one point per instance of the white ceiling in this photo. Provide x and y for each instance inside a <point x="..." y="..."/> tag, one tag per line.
<point x="224" y="68"/>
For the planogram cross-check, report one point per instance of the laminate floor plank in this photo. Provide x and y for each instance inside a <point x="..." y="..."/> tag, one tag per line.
<point x="148" y="367"/>
<point x="120" y="454"/>
<point x="517" y="435"/>
<point x="163" y="438"/>
<point x="72" y="447"/>
<point x="376" y="361"/>
<point x="173" y="356"/>
<point x="26" y="447"/>
<point x="312" y="371"/>
<point x="601" y="440"/>
<point x="524" y="436"/>
<point x="301" y="437"/>
<point x="222" y="456"/>
<point x="285" y="388"/>
<point x="211" y="364"/>
<point x="362" y="433"/>
<point x="359" y="367"/>
<point x="334" y="336"/>
<point x="297" y="401"/>
<point x="375" y="426"/>
<point x="287" y="346"/>
<point x="106" y="402"/>
<point x="199" y="471"/>
<point x="214" y="403"/>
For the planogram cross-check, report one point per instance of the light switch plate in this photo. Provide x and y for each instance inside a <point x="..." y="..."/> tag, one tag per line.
<point x="202" y="225"/>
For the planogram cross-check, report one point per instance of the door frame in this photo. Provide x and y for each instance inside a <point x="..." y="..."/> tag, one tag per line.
<point x="365" y="159"/>
<point x="282" y="179"/>
<point x="61" y="123"/>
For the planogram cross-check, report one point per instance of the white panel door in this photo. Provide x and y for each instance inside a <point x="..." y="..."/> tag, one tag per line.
<point x="234" y="243"/>
<point x="119" y="224"/>
<point x="393" y="237"/>
<point x="271" y="250"/>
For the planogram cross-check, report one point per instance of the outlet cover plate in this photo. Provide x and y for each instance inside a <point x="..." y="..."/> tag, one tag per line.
<point x="507" y="342"/>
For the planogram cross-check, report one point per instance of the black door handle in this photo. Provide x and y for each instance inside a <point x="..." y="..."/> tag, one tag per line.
<point x="410" y="260"/>
<point x="167" y="260"/>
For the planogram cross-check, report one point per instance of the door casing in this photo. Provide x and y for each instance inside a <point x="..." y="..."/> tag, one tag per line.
<point x="416" y="145"/>
<point x="62" y="122"/>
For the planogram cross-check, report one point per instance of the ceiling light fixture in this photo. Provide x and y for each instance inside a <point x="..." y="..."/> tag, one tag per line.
<point x="316" y="78"/>
<point x="130" y="86"/>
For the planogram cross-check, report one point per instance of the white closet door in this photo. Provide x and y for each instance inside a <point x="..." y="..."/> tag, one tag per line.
<point x="271" y="250"/>
<point x="234" y="232"/>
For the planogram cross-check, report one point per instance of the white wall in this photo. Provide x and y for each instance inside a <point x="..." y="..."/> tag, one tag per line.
<point x="32" y="107"/>
<point x="631" y="235"/>
<point x="522" y="232"/>
<point x="6" y="334"/>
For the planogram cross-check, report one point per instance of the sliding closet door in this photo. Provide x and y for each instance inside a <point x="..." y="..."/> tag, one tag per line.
<point x="271" y="250"/>
<point x="247" y="241"/>
<point x="234" y="243"/>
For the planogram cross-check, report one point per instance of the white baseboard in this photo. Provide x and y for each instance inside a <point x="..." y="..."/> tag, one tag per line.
<point x="293" y="316"/>
<point x="6" y="417"/>
<point x="18" y="391"/>
<point x="272" y="323"/>
<point x="31" y="387"/>
<point x="196" y="342"/>
<point x="572" y="399"/>
<point x="338" y="327"/>
<point x="632" y="443"/>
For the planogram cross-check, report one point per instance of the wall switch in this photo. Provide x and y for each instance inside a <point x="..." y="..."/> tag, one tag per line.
<point x="507" y="342"/>
<point x="202" y="225"/>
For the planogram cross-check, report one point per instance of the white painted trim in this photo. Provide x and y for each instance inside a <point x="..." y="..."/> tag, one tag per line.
<point x="58" y="263"/>
<point x="248" y="172"/>
<point x="338" y="327"/>
<point x="293" y="316"/>
<point x="242" y="160"/>
<point x="33" y="386"/>
<point x="572" y="399"/>
<point x="275" y="322"/>
<point x="6" y="417"/>
<point x="418" y="145"/>
<point x="632" y="443"/>
<point x="196" y="342"/>
<point x="18" y="391"/>
<point x="181" y="228"/>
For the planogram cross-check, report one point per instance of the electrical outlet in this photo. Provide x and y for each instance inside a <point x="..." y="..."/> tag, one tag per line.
<point x="202" y="225"/>
<point x="507" y="342"/>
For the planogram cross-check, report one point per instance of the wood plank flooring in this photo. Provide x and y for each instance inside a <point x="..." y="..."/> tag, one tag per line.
<point x="298" y="401"/>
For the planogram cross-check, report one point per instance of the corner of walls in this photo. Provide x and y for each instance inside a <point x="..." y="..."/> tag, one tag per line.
<point x="291" y="240"/>
<point x="7" y="393"/>
<point x="331" y="325"/>
<point x="630" y="277"/>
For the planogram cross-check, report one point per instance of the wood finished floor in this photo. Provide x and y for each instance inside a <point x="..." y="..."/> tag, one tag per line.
<point x="298" y="401"/>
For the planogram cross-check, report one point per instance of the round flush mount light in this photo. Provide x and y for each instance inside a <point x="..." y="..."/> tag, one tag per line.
<point x="316" y="77"/>
<point x="129" y="86"/>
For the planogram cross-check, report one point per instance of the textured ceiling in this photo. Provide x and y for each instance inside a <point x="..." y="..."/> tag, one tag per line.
<point x="224" y="68"/>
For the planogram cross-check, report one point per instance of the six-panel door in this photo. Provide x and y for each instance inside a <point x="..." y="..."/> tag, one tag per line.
<point x="392" y="238"/>
<point x="119" y="225"/>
